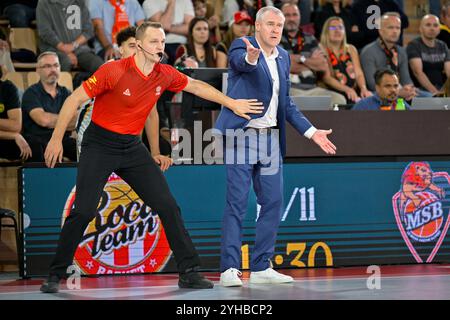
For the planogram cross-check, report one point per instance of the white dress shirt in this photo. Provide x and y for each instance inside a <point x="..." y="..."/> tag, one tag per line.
<point x="270" y="117"/>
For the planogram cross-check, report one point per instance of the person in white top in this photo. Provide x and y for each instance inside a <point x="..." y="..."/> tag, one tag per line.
<point x="175" y="16"/>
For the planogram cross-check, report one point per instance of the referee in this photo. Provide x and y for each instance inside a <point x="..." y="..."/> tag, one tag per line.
<point x="125" y="92"/>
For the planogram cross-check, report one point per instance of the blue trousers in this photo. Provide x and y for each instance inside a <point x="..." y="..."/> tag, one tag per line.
<point x="264" y="170"/>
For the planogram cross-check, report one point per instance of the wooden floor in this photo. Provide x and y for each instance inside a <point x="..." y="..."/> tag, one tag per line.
<point x="396" y="282"/>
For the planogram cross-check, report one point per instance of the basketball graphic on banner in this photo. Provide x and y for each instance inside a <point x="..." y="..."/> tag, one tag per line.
<point x="421" y="210"/>
<point x="431" y="224"/>
<point x="126" y="236"/>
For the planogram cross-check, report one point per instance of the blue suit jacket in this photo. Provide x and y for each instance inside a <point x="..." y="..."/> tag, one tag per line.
<point x="246" y="81"/>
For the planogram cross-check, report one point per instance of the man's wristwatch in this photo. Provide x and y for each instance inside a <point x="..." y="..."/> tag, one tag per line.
<point x="301" y="59"/>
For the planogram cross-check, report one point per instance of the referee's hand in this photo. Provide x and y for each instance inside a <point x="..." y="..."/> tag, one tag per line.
<point x="163" y="161"/>
<point x="53" y="153"/>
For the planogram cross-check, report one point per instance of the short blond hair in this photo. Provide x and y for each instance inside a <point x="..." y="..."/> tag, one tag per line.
<point x="46" y="53"/>
<point x="140" y="31"/>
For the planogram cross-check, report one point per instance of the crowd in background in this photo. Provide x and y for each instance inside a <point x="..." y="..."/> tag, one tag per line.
<point x="337" y="49"/>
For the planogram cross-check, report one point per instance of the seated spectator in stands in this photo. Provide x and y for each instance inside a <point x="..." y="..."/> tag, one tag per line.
<point x="108" y="18"/>
<point x="16" y="54"/>
<point x="444" y="35"/>
<point x="5" y="56"/>
<point x="41" y="104"/>
<point x="308" y="61"/>
<point x="344" y="73"/>
<point x="175" y="16"/>
<point x="198" y="45"/>
<point x="250" y="6"/>
<point x="429" y="58"/>
<point x="69" y="41"/>
<point x="13" y="146"/>
<point x="386" y="96"/>
<point x="20" y="13"/>
<point x="341" y="9"/>
<point x="126" y="42"/>
<point x="367" y="22"/>
<point x="200" y="10"/>
<point x="386" y="53"/>
<point x="240" y="26"/>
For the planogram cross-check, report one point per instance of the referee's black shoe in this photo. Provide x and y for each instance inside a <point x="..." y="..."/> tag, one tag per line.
<point x="51" y="285"/>
<point x="194" y="280"/>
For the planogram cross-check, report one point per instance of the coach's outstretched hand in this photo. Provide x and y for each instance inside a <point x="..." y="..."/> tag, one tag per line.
<point x="163" y="161"/>
<point x="321" y="139"/>
<point x="252" y="52"/>
<point x="53" y="153"/>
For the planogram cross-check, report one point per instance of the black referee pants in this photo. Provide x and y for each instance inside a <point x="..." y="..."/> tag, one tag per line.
<point x="102" y="153"/>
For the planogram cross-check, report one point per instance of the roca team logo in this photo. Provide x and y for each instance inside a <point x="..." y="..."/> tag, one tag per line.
<point x="126" y="236"/>
<point x="421" y="209"/>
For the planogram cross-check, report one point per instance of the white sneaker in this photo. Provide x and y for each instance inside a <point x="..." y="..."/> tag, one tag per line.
<point x="230" y="278"/>
<point x="269" y="276"/>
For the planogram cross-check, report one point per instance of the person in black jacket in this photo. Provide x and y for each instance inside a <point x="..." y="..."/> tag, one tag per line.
<point x="341" y="9"/>
<point x="20" y="13"/>
<point x="366" y="21"/>
<point x="444" y="35"/>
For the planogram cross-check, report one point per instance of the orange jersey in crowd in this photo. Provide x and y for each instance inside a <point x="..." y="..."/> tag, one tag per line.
<point x="124" y="96"/>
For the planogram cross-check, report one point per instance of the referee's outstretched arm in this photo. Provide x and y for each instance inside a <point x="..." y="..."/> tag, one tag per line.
<point x="241" y="107"/>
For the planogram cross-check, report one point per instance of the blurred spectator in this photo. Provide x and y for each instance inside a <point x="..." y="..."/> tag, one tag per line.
<point x="308" y="62"/>
<point x="251" y="6"/>
<point x="429" y="58"/>
<point x="41" y="104"/>
<point x="13" y="54"/>
<point x="13" y="145"/>
<point x="279" y="3"/>
<point x="338" y="8"/>
<point x="444" y="35"/>
<point x="387" y="94"/>
<point x="198" y="45"/>
<point x="175" y="16"/>
<point x="20" y="13"/>
<point x="400" y="4"/>
<point x="345" y="74"/>
<point x="435" y="7"/>
<point x="126" y="41"/>
<point x="5" y="56"/>
<point x="305" y="7"/>
<point x="108" y="18"/>
<point x="240" y="26"/>
<point x="367" y="21"/>
<point x="69" y="41"/>
<point x="200" y="10"/>
<point x="385" y="52"/>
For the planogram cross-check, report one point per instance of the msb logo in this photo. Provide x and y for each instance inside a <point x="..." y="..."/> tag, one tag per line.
<point x="422" y="210"/>
<point x="126" y="236"/>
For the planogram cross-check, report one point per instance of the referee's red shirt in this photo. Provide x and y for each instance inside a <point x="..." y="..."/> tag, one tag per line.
<point x="124" y="96"/>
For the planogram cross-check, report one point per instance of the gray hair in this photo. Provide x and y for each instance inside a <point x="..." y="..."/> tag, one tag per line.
<point x="261" y="12"/>
<point x="46" y="53"/>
